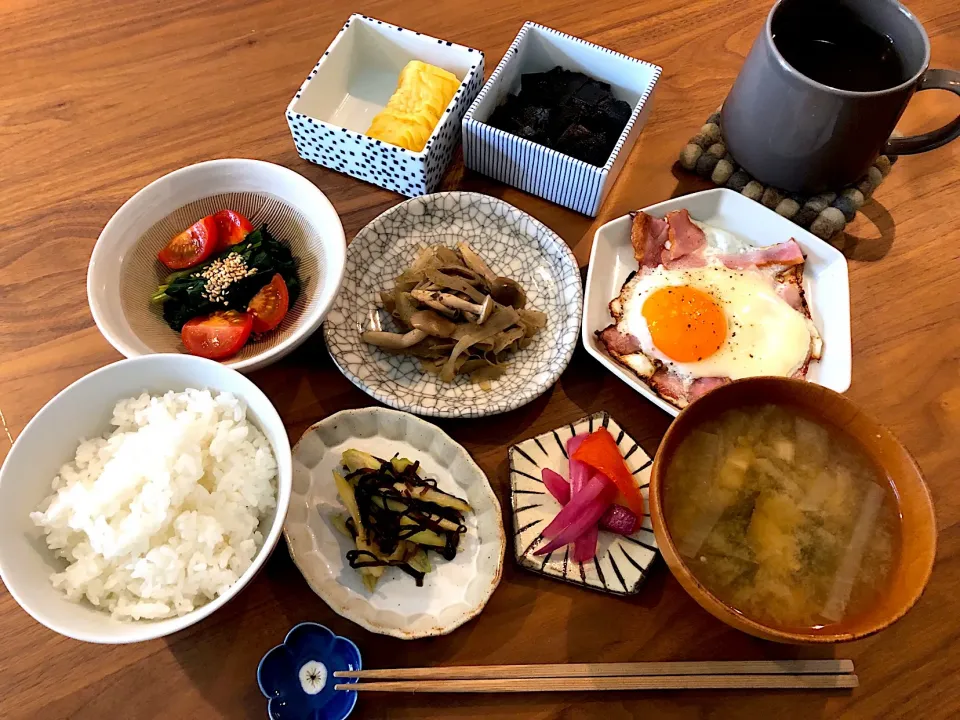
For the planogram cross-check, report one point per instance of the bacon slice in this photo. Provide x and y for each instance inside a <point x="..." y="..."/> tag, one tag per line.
<point x="648" y="235"/>
<point x="693" y="260"/>
<point x="673" y="241"/>
<point x="792" y="294"/>
<point x="683" y="237"/>
<point x="701" y="386"/>
<point x="669" y="387"/>
<point x="619" y="343"/>
<point x="785" y="254"/>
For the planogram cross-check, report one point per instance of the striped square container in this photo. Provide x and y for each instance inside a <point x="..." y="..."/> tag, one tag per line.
<point x="537" y="169"/>
<point x="352" y="82"/>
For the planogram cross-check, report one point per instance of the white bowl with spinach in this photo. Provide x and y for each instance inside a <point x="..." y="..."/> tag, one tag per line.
<point x="125" y="279"/>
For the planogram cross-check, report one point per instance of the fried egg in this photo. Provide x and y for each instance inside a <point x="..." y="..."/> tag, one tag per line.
<point x="713" y="321"/>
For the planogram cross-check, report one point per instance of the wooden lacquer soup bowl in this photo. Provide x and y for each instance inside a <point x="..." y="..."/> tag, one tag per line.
<point x="917" y="524"/>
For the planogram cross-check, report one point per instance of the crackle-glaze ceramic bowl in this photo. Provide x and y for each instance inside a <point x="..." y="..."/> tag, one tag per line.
<point x="514" y="244"/>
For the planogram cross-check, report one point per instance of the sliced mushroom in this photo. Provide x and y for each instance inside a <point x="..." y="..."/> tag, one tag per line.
<point x="532" y="321"/>
<point x="456" y="284"/>
<point x="426" y="258"/>
<point x="462" y="271"/>
<point x="504" y="290"/>
<point x="433" y="324"/>
<point x="480" y="310"/>
<point x="393" y="341"/>
<point x="432" y="347"/>
<point x="388" y="301"/>
<point x="455" y="315"/>
<point x="508" y="292"/>
<point x="430" y="299"/>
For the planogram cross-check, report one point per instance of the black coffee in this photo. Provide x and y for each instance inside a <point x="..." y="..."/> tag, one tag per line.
<point x="830" y="44"/>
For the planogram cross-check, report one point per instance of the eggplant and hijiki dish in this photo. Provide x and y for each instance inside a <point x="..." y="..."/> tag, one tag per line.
<point x="395" y="517"/>
<point x="230" y="283"/>
<point x="456" y="316"/>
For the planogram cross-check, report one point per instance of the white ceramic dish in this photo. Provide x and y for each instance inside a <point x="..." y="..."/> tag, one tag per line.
<point x="514" y="244"/>
<point x="83" y="410"/>
<point x="455" y="591"/>
<point x="825" y="282"/>
<point x="537" y="169"/>
<point x="124" y="271"/>
<point x="621" y="563"/>
<point x="353" y="81"/>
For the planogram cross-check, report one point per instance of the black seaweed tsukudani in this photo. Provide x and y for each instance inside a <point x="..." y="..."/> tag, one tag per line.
<point x="567" y="111"/>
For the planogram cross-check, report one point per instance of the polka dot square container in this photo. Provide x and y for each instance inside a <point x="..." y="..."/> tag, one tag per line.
<point x="353" y="81"/>
<point x="535" y="168"/>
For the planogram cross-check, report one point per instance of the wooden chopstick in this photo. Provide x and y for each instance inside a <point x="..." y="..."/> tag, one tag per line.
<point x="660" y="682"/>
<point x="595" y="670"/>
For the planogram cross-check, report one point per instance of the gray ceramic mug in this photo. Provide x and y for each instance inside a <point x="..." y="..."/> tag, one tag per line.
<point x="794" y="133"/>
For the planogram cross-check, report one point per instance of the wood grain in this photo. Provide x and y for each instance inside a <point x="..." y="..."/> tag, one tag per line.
<point x="99" y="98"/>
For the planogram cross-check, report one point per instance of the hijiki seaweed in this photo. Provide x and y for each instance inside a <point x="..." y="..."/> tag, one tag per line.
<point x="396" y="516"/>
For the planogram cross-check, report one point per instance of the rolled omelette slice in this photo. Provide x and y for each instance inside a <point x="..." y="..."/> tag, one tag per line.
<point x="413" y="111"/>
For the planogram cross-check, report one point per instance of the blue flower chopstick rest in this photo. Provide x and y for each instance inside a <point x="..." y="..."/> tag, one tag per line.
<point x="297" y="676"/>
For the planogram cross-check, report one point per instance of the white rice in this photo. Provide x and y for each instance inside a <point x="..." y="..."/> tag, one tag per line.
<point x="161" y="515"/>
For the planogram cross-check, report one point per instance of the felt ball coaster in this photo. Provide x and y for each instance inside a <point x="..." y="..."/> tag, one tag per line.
<point x="824" y="215"/>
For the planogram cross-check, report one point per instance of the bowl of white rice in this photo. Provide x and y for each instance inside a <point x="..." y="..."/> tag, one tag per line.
<point x="142" y="498"/>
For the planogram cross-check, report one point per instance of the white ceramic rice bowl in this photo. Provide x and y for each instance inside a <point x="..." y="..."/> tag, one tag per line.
<point x="50" y="439"/>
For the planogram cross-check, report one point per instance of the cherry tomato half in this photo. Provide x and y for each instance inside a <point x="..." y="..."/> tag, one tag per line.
<point x="232" y="227"/>
<point x="192" y="246"/>
<point x="270" y="305"/>
<point x="217" y="336"/>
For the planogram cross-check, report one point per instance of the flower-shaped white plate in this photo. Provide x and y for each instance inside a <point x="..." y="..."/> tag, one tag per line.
<point x="621" y="563"/>
<point x="513" y="244"/>
<point x="455" y="591"/>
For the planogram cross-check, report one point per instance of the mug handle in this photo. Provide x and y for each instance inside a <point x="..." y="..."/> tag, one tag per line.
<point x="931" y="80"/>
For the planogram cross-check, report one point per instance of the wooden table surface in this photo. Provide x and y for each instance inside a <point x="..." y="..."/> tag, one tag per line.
<point x="98" y="99"/>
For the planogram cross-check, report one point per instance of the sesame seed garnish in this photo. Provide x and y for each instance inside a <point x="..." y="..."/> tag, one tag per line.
<point x="222" y="273"/>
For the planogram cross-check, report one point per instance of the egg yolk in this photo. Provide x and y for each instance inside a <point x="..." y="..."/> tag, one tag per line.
<point x="685" y="324"/>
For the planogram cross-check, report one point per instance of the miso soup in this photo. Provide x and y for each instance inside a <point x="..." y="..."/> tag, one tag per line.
<point x="781" y="517"/>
